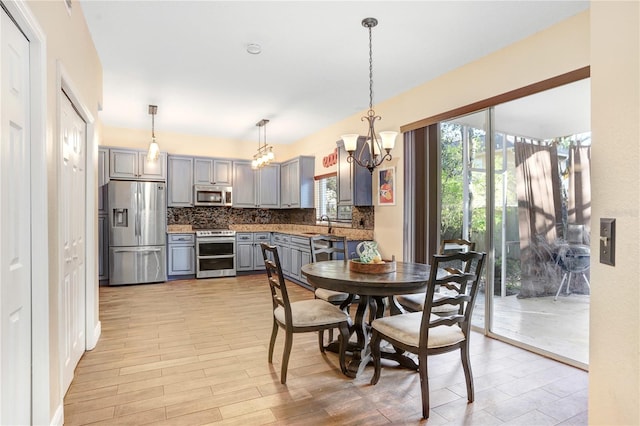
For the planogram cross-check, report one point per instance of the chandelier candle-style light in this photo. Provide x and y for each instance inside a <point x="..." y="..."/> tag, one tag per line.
<point x="265" y="154"/>
<point x="154" y="149"/>
<point x="375" y="145"/>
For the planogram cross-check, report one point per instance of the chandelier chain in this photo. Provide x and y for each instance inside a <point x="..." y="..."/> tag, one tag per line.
<point x="370" y="70"/>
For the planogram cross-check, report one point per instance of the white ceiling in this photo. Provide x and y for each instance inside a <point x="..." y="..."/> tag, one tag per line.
<point x="190" y="58"/>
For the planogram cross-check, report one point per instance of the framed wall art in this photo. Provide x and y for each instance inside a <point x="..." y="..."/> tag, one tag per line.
<point x="387" y="186"/>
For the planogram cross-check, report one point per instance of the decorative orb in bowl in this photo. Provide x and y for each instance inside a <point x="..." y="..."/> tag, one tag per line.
<point x="386" y="267"/>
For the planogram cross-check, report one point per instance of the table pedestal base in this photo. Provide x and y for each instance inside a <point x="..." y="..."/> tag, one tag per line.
<point x="360" y="350"/>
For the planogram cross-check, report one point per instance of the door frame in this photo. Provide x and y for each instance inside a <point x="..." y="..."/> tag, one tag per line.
<point x="92" y="325"/>
<point x="40" y="359"/>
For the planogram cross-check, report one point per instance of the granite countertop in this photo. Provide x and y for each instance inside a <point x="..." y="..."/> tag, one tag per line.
<point x="180" y="229"/>
<point x="299" y="230"/>
<point x="306" y="230"/>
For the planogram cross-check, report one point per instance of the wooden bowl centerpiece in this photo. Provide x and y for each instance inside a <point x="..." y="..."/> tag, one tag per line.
<point x="383" y="267"/>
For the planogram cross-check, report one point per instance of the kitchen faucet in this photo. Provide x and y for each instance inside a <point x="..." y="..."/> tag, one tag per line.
<point x="322" y="218"/>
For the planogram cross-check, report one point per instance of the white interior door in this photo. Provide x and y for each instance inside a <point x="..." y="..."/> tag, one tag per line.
<point x="72" y="292"/>
<point x="15" y="230"/>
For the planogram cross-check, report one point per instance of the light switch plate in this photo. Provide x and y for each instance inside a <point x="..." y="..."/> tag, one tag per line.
<point x="608" y="241"/>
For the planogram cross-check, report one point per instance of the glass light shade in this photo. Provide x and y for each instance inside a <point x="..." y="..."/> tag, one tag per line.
<point x="271" y="155"/>
<point x="388" y="139"/>
<point x="254" y="164"/>
<point x="350" y="141"/>
<point x="376" y="147"/>
<point x="154" y="151"/>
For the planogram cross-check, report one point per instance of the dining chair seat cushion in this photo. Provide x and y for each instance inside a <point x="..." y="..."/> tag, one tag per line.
<point x="307" y="313"/>
<point x="330" y="295"/>
<point x="415" y="303"/>
<point x="405" y="328"/>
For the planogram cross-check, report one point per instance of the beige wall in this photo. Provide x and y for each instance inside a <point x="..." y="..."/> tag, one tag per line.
<point x="68" y="44"/>
<point x="181" y="144"/>
<point x="614" y="365"/>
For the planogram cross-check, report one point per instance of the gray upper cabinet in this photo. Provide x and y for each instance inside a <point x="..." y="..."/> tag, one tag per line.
<point x="354" y="181"/>
<point x="296" y="183"/>
<point x="244" y="187"/>
<point x="256" y="188"/>
<point x="103" y="179"/>
<point x="133" y="165"/>
<point x="180" y="181"/>
<point x="268" y="186"/>
<point x="211" y="171"/>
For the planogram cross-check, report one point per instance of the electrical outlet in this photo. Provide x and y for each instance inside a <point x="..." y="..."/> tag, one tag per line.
<point x="608" y="241"/>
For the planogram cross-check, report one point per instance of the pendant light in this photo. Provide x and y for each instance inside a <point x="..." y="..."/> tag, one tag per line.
<point x="373" y="156"/>
<point x="264" y="155"/>
<point x="154" y="148"/>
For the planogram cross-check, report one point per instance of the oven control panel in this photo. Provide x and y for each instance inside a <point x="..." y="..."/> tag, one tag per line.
<point x="215" y="233"/>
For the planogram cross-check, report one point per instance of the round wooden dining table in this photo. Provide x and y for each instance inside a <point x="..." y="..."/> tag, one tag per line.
<point x="372" y="289"/>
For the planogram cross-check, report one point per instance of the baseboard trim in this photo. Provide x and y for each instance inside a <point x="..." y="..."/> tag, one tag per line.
<point x="91" y="343"/>
<point x="58" y="417"/>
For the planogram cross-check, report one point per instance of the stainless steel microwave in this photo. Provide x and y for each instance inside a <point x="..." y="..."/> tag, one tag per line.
<point x="211" y="195"/>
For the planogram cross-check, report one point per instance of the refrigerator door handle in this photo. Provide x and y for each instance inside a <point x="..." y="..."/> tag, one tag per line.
<point x="137" y="204"/>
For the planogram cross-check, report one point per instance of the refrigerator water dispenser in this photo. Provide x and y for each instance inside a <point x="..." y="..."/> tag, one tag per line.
<point x="121" y="217"/>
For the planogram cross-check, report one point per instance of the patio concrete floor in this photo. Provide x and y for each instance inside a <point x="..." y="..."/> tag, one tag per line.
<point x="560" y="327"/>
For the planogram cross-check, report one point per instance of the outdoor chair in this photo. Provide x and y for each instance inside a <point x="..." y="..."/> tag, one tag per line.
<point x="299" y="317"/>
<point x="424" y="333"/>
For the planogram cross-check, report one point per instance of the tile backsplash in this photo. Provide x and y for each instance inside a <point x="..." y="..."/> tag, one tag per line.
<point x="222" y="217"/>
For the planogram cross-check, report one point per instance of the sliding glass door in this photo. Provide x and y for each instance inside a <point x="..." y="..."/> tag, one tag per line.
<point x="515" y="180"/>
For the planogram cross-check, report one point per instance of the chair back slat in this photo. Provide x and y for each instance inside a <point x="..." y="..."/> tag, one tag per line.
<point x="328" y="248"/>
<point x="456" y="245"/>
<point x="279" y="294"/>
<point x="462" y="288"/>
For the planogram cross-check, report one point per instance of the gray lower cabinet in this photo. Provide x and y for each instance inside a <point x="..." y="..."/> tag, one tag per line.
<point x="248" y="251"/>
<point x="300" y="256"/>
<point x="283" y="243"/>
<point x="103" y="247"/>
<point x="294" y="252"/>
<point x="179" y="181"/>
<point x="181" y="254"/>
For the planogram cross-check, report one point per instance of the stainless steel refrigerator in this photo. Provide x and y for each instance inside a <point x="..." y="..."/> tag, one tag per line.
<point x="137" y="232"/>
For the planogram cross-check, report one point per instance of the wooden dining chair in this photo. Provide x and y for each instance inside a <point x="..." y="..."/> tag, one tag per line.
<point x="324" y="247"/>
<point x="299" y="317"/>
<point x="329" y="248"/>
<point x="415" y="302"/>
<point x="424" y="333"/>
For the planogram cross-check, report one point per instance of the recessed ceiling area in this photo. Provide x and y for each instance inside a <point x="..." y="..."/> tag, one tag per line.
<point x="190" y="57"/>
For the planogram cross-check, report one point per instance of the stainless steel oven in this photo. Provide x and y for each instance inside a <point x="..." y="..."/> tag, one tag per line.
<point x="215" y="253"/>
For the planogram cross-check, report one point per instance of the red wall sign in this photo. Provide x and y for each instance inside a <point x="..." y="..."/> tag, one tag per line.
<point x="331" y="159"/>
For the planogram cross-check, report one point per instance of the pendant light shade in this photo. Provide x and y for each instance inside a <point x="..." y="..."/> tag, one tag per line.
<point x="264" y="155"/>
<point x="154" y="148"/>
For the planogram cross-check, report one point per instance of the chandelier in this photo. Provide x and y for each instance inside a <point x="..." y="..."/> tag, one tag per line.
<point x="371" y="154"/>
<point x="264" y="155"/>
<point x="154" y="149"/>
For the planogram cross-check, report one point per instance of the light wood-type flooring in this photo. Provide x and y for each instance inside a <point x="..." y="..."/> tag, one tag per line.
<point x="195" y="352"/>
